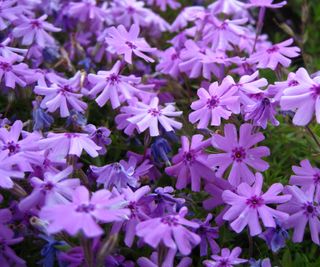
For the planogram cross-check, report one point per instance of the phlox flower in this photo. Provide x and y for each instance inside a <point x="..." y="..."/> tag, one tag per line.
<point x="125" y="43"/>
<point x="303" y="209"/>
<point x="276" y="55"/>
<point x="227" y="259"/>
<point x="169" y="62"/>
<point x="100" y="136"/>
<point x="149" y="116"/>
<point x="306" y="176"/>
<point x="275" y="237"/>
<point x="188" y="14"/>
<point x="213" y="104"/>
<point x="12" y="74"/>
<point x="34" y="31"/>
<point x="8" y="13"/>
<point x="265" y="4"/>
<point x="164" y="3"/>
<point x="62" y="94"/>
<point x="7" y="172"/>
<point x="260" y="263"/>
<point x="229" y="7"/>
<point x="113" y="86"/>
<point x="278" y="87"/>
<point x="303" y="98"/>
<point x="250" y="203"/>
<point x="84" y="212"/>
<point x="11" y="52"/>
<point x="239" y="153"/>
<point x="55" y="188"/>
<point x="190" y="164"/>
<point x="172" y="230"/>
<point x="63" y="144"/>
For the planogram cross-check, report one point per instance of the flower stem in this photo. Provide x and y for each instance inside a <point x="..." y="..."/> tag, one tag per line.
<point x="262" y="13"/>
<point x="250" y="245"/>
<point x="314" y="137"/>
<point x="86" y="245"/>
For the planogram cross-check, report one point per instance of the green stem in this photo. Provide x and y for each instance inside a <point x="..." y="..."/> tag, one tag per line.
<point x="314" y="137"/>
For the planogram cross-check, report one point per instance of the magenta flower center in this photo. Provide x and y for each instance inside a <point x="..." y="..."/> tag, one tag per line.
<point x="131" y="10"/>
<point x="174" y="56"/>
<point x="154" y="112"/>
<point x="47" y="186"/>
<point x="85" y="208"/>
<point x="293" y="83"/>
<point x="273" y="49"/>
<point x="213" y="102"/>
<point x="223" y="26"/>
<point x="315" y="90"/>
<point x="238" y="154"/>
<point x="133" y="208"/>
<point x="310" y="209"/>
<point x="189" y="156"/>
<point x="170" y="220"/>
<point x="64" y="89"/>
<point x="316" y="178"/>
<point x="71" y="135"/>
<point x="5" y="66"/>
<point x="131" y="45"/>
<point x="35" y="24"/>
<point x="113" y="78"/>
<point x="224" y="263"/>
<point x="12" y="147"/>
<point x="255" y="201"/>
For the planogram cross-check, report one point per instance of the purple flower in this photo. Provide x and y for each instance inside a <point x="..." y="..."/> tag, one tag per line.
<point x="303" y="98"/>
<point x="227" y="258"/>
<point x="261" y="112"/>
<point x="260" y="263"/>
<point x="239" y="153"/>
<point x="160" y="149"/>
<point x="207" y="234"/>
<point x="125" y="43"/>
<point x="171" y="230"/>
<point x="229" y="7"/>
<point x="164" y="3"/>
<point x="306" y="176"/>
<point x="7" y="255"/>
<point x="84" y="212"/>
<point x="190" y="164"/>
<point x="62" y="94"/>
<point x="55" y="188"/>
<point x="271" y="57"/>
<point x="63" y="144"/>
<point x="7" y="172"/>
<point x="168" y="261"/>
<point x="8" y="13"/>
<point x="303" y="209"/>
<point x="12" y="74"/>
<point x="11" y="52"/>
<point x="249" y="203"/>
<point x="34" y="31"/>
<point x="169" y="62"/>
<point x="113" y="86"/>
<point x="100" y="136"/>
<point x="148" y="116"/>
<point x="265" y="4"/>
<point x="41" y="119"/>
<point x="216" y="103"/>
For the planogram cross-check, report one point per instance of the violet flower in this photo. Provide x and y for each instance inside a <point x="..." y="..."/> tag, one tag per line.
<point x="84" y="212"/>
<point x="265" y="4"/>
<point x="100" y="136"/>
<point x="190" y="164"/>
<point x="125" y="43"/>
<point x="250" y="203"/>
<point x="228" y="258"/>
<point x="239" y="153"/>
<point x="171" y="230"/>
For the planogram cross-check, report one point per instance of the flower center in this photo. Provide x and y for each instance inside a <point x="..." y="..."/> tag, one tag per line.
<point x="189" y="156"/>
<point x="310" y="209"/>
<point x="85" y="208"/>
<point x="113" y="78"/>
<point x="315" y="90"/>
<point x="255" y="201"/>
<point x="213" y="102"/>
<point x="238" y="154"/>
<point x="47" y="186"/>
<point x="5" y="66"/>
<point x="131" y="45"/>
<point x="35" y="24"/>
<point x="224" y="263"/>
<point x="64" y="89"/>
<point x="12" y="147"/>
<point x="293" y="83"/>
<point x="316" y="178"/>
<point x="154" y="112"/>
<point x="174" y="56"/>
<point x="71" y="135"/>
<point x="170" y="220"/>
<point x="273" y="49"/>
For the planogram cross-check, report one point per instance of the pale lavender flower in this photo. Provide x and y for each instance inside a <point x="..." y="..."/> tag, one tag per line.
<point x="303" y="98"/>
<point x="303" y="209"/>
<point x="172" y="230"/>
<point x="7" y="172"/>
<point x="191" y="163"/>
<point x="84" y="212"/>
<point x="125" y="43"/>
<point x="149" y="116"/>
<point x="250" y="203"/>
<point x="8" y="13"/>
<point x="276" y="55"/>
<point x="113" y="86"/>
<point x="164" y="3"/>
<point x="34" y="31"/>
<point x="307" y="177"/>
<point x="169" y="62"/>
<point x="265" y="4"/>
<point x="216" y="103"/>
<point x="229" y="7"/>
<point x="100" y="136"/>
<point x="227" y="259"/>
<point x="188" y="14"/>
<point x="63" y="144"/>
<point x="8" y="257"/>
<point x="62" y="94"/>
<point x="239" y="153"/>
<point x="55" y="188"/>
<point x="8" y="51"/>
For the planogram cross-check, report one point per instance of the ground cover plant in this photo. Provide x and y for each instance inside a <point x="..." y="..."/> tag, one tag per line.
<point x="159" y="133"/>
